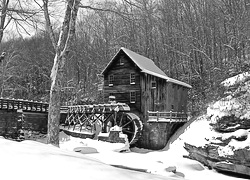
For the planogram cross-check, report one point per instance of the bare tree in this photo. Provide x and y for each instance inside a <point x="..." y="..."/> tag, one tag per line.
<point x="21" y="14"/>
<point x="62" y="47"/>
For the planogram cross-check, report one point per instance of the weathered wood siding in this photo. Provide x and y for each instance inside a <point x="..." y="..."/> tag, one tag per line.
<point x="121" y="87"/>
<point x="165" y="96"/>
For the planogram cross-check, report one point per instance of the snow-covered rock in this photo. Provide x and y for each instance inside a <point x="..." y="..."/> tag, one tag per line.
<point x="228" y="149"/>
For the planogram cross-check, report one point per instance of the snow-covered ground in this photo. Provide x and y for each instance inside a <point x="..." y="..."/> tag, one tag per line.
<point x="161" y="162"/>
<point x="30" y="160"/>
<point x="95" y="160"/>
<point x="34" y="160"/>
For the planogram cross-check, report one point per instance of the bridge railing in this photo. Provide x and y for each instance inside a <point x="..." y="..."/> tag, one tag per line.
<point x="96" y="108"/>
<point x="25" y="105"/>
<point x="158" y="116"/>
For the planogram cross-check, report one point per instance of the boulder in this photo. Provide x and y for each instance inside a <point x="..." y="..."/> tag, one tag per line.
<point x="230" y="123"/>
<point x="208" y="155"/>
<point x="228" y="149"/>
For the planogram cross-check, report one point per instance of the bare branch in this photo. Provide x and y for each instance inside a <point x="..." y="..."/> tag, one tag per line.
<point x="71" y="30"/>
<point x="21" y="25"/>
<point x="48" y="24"/>
<point x="122" y="14"/>
<point x="5" y="4"/>
<point x="132" y="4"/>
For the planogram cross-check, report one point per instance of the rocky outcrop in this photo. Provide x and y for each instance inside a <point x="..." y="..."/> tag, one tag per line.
<point x="208" y="155"/>
<point x="228" y="149"/>
<point x="230" y="124"/>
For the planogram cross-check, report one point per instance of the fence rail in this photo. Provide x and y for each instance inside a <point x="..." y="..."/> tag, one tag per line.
<point x="157" y="116"/>
<point x="25" y="105"/>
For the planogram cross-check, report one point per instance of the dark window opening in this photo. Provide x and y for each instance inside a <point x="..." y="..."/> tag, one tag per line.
<point x="111" y="80"/>
<point x="132" y="78"/>
<point x="153" y="84"/>
<point x="132" y="97"/>
<point x="172" y="107"/>
<point x="121" y="61"/>
<point x="112" y="98"/>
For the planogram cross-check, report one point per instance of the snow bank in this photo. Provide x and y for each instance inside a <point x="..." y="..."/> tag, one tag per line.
<point x="29" y="160"/>
<point x="168" y="162"/>
<point x="236" y="79"/>
<point x="234" y="144"/>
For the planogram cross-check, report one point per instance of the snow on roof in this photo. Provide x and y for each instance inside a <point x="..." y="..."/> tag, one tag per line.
<point x="147" y="66"/>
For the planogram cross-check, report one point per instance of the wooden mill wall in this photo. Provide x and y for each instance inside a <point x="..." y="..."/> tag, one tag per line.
<point x="164" y="96"/>
<point x="121" y="69"/>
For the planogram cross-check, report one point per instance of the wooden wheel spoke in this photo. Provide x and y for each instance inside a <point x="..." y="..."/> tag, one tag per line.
<point x="114" y="118"/>
<point x="120" y="124"/>
<point x="126" y="124"/>
<point x="126" y="131"/>
<point x="107" y="117"/>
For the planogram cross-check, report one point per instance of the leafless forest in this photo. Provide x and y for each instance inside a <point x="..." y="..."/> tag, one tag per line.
<point x="200" y="42"/>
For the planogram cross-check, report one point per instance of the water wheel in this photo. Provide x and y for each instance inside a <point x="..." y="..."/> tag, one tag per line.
<point x="129" y="124"/>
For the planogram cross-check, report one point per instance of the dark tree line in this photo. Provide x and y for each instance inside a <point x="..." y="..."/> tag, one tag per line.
<point x="201" y="42"/>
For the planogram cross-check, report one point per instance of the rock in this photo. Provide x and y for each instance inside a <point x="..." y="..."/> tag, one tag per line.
<point x="208" y="155"/>
<point x="231" y="167"/>
<point x="171" y="169"/>
<point x="229" y="117"/>
<point x="230" y="124"/>
<point x="116" y="137"/>
<point x="113" y="137"/>
<point x="86" y="150"/>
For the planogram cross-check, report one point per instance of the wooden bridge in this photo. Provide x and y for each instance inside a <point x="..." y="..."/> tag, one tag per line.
<point x="20" y="117"/>
<point x="32" y="116"/>
<point x="24" y="105"/>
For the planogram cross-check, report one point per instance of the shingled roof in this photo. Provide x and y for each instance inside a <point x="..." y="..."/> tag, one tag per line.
<point x="147" y="66"/>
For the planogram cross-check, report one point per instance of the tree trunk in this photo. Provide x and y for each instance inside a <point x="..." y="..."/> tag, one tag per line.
<point x="4" y="8"/>
<point x="54" y="103"/>
<point x="62" y="48"/>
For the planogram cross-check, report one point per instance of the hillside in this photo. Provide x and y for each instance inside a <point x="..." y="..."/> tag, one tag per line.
<point x="175" y="160"/>
<point x="217" y="139"/>
<point x="226" y="147"/>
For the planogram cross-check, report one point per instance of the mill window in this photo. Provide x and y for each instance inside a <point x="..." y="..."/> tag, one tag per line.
<point x="121" y="61"/>
<point x="132" y="78"/>
<point x="153" y="83"/>
<point x="132" y="96"/>
<point x="111" y="80"/>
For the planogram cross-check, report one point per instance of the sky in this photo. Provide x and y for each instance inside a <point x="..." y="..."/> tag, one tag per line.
<point x="29" y="28"/>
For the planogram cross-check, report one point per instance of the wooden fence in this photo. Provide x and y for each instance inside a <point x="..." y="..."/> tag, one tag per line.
<point x="25" y="105"/>
<point x="156" y="116"/>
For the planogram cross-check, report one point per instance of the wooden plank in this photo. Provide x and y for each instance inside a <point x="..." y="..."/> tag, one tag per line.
<point x="166" y="116"/>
